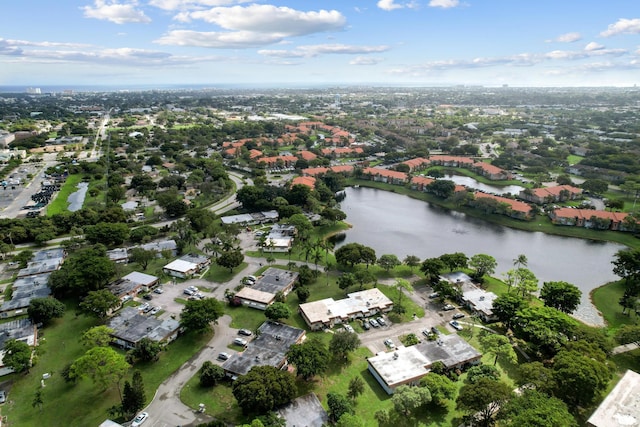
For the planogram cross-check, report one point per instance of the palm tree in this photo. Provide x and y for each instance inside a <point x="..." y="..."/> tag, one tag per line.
<point x="520" y="261"/>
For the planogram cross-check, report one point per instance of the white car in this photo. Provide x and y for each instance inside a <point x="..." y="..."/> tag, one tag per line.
<point x="154" y="310"/>
<point x="223" y="356"/>
<point x="139" y="419"/>
<point x="389" y="343"/>
<point x="240" y="341"/>
<point x="455" y="325"/>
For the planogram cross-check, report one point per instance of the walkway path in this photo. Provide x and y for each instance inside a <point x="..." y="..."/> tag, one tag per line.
<point x="166" y="409"/>
<point x="625" y="348"/>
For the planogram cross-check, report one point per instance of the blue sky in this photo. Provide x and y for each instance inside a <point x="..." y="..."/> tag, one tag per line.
<point x="394" y="42"/>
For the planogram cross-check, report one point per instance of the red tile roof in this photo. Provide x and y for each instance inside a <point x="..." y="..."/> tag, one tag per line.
<point x="309" y="181"/>
<point x="516" y="205"/>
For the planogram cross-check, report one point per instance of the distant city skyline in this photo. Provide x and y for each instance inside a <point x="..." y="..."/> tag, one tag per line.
<point x="302" y="43"/>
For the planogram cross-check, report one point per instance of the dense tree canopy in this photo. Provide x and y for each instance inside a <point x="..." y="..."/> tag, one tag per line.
<point x="197" y="315"/>
<point x="43" y="310"/>
<point x="535" y="409"/>
<point x="264" y="388"/>
<point x="85" y="270"/>
<point x="310" y="358"/>
<point x="562" y="296"/>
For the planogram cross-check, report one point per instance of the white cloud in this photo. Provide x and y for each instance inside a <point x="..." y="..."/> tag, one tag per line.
<point x="323" y="49"/>
<point x="593" y="46"/>
<point x="43" y="44"/>
<point x="230" y="40"/>
<point x="251" y="26"/>
<point x="445" y="4"/>
<point x="623" y="26"/>
<point x="568" y="38"/>
<point x="365" y="60"/>
<point x="109" y="10"/>
<point x="389" y="5"/>
<point x="192" y="4"/>
<point x="272" y="19"/>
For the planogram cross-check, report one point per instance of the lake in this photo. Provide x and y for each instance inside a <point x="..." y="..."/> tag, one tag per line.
<point x="395" y="224"/>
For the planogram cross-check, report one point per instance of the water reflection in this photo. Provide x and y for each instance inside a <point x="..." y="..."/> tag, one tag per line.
<point x="396" y="224"/>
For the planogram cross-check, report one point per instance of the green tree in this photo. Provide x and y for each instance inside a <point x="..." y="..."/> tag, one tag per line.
<point x="400" y="286"/>
<point x="133" y="395"/>
<point x="483" y="265"/>
<point x="146" y="350"/>
<point x="506" y="306"/>
<point x="338" y="405"/>
<point x="43" y="310"/>
<point x="17" y="355"/>
<point x="210" y="374"/>
<point x="346" y="280"/>
<point x="264" y="388"/>
<point x="628" y="334"/>
<point x="99" y="303"/>
<point x="363" y="277"/>
<point x="596" y="186"/>
<point x="310" y="358"/>
<point x="580" y="379"/>
<point x="388" y="262"/>
<point x="23" y="257"/>
<point x="98" y="336"/>
<point x="107" y="233"/>
<point x="432" y="268"/>
<point x="544" y="327"/>
<point x="85" y="270"/>
<point x="277" y="311"/>
<point x="342" y="343"/>
<point x="197" y="315"/>
<point x="562" y="296"/>
<point x="230" y="259"/>
<point x="356" y="387"/>
<point x="477" y="372"/>
<point x="535" y="409"/>
<point x="482" y="400"/>
<point x="455" y="260"/>
<point x="142" y="256"/>
<point x="103" y="365"/>
<point x="500" y="346"/>
<point x="442" y="389"/>
<point x="303" y="294"/>
<point x="411" y="261"/>
<point x="407" y="399"/>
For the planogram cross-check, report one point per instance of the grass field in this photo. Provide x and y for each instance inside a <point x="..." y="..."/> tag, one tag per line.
<point x="60" y="204"/>
<point x="606" y="299"/>
<point x="81" y="404"/>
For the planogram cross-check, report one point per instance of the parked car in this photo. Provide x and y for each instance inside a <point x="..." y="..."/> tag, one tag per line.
<point x="245" y="332"/>
<point x="435" y="330"/>
<point x="154" y="310"/>
<point x="223" y="356"/>
<point x="349" y="328"/>
<point x="455" y="325"/>
<point x="139" y="419"/>
<point x="143" y="306"/>
<point x="188" y="292"/>
<point x="458" y="316"/>
<point x="147" y="309"/>
<point x="389" y="343"/>
<point x="426" y="332"/>
<point x="148" y="297"/>
<point x="366" y="325"/>
<point x="158" y="290"/>
<point x="381" y="321"/>
<point x="448" y="307"/>
<point x="434" y="295"/>
<point x="240" y="341"/>
<point x="3" y="396"/>
<point x="374" y="323"/>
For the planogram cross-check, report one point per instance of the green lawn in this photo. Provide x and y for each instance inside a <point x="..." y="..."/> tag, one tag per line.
<point x="60" y="203"/>
<point x="606" y="299"/>
<point x="573" y="159"/>
<point x="81" y="404"/>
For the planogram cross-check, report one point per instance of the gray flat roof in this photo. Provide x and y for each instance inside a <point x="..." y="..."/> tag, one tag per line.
<point x="268" y="348"/>
<point x="274" y="280"/>
<point x="621" y="407"/>
<point x="129" y="325"/>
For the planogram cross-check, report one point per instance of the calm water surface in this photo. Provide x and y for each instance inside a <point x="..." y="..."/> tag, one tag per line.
<point x="396" y="224"/>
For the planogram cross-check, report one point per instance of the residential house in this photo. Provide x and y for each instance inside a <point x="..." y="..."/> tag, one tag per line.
<point x="407" y="365"/>
<point x="559" y="193"/>
<point x="588" y="218"/>
<point x="418" y="163"/>
<point x="279" y="161"/>
<point x="251" y="218"/>
<point x="269" y="348"/>
<point x="385" y="175"/>
<point x="186" y="266"/>
<point x="515" y="208"/>
<point x="20" y="330"/>
<point x="263" y="292"/>
<point x="118" y="255"/>
<point x="132" y="284"/>
<point x="164" y="245"/>
<point x="308" y="181"/>
<point x="480" y="303"/>
<point x="491" y="172"/>
<point x="130" y="326"/>
<point x="327" y="312"/>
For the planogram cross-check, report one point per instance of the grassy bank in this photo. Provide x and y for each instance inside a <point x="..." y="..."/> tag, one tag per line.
<point x="60" y="204"/>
